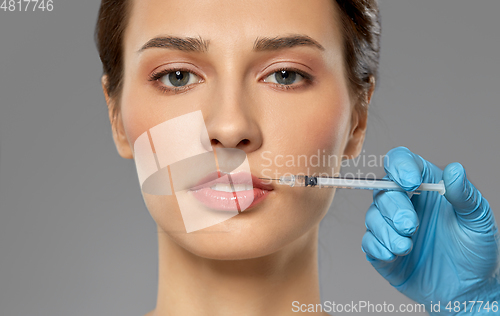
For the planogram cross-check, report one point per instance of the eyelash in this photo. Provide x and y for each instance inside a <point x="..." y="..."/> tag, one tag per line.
<point x="156" y="76"/>
<point x="307" y="78"/>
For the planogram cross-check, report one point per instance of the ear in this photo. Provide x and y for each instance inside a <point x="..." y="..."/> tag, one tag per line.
<point x="359" y="121"/>
<point x="119" y="136"/>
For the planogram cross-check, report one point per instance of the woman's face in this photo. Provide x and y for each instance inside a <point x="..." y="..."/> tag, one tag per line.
<point x="282" y="120"/>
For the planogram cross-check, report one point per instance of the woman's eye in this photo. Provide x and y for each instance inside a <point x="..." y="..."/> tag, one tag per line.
<point x="179" y="78"/>
<point x="284" y="77"/>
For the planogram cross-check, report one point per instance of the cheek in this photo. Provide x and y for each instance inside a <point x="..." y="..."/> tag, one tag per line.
<point x="137" y="114"/>
<point x="317" y="132"/>
<point x="328" y="130"/>
<point x="141" y="108"/>
<point x="164" y="210"/>
<point x="321" y="125"/>
<point x="332" y="120"/>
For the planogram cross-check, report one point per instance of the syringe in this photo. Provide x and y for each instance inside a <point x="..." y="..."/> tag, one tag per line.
<point x="346" y="183"/>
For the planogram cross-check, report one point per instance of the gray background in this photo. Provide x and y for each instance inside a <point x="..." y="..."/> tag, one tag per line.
<point x="75" y="236"/>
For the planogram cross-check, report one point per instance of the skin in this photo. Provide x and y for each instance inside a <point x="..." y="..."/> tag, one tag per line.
<point x="259" y="262"/>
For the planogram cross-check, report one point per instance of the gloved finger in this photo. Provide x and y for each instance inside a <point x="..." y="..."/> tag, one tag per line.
<point x="398" y="211"/>
<point x="378" y="264"/>
<point x="385" y="234"/>
<point x="409" y="170"/>
<point x="386" y="177"/>
<point x="471" y="207"/>
<point x="375" y="192"/>
<point x="374" y="249"/>
<point x="404" y="168"/>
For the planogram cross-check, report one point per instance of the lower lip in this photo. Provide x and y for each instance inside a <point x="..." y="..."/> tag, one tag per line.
<point x="226" y="201"/>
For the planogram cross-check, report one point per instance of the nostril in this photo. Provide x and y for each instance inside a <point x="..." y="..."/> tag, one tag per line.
<point x="242" y="143"/>
<point x="214" y="142"/>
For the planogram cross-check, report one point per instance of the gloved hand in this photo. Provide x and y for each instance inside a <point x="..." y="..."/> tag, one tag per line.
<point x="434" y="248"/>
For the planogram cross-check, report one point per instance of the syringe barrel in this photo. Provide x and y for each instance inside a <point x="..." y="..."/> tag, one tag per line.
<point x="297" y="180"/>
<point x="367" y="184"/>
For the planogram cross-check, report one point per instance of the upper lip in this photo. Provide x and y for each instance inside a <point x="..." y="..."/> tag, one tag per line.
<point x="236" y="178"/>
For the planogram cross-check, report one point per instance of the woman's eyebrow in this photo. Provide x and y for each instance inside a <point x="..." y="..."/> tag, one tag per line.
<point x="189" y="44"/>
<point x="193" y="44"/>
<point x="280" y="42"/>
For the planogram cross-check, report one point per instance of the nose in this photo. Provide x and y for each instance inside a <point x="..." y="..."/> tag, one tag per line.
<point x="231" y="119"/>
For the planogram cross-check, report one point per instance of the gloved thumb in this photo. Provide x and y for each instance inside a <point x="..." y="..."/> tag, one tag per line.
<point x="472" y="209"/>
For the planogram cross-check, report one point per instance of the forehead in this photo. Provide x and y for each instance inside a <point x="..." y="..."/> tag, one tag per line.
<point x="233" y="24"/>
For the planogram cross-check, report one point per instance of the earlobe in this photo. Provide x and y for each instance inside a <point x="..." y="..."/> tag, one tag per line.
<point x="117" y="128"/>
<point x="359" y="122"/>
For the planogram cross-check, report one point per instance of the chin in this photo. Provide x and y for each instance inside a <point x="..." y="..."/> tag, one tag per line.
<point x="228" y="250"/>
<point x="267" y="228"/>
<point x="232" y="241"/>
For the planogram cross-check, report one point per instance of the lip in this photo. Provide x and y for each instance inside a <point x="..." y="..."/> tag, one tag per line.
<point x="230" y="201"/>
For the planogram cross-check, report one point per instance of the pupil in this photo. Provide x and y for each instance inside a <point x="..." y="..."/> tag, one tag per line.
<point x="178" y="78"/>
<point x="285" y="77"/>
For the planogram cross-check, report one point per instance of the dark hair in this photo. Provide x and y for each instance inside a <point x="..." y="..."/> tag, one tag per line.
<point x="109" y="32"/>
<point x="361" y="30"/>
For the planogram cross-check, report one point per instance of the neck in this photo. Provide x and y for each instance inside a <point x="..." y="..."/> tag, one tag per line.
<point x="192" y="285"/>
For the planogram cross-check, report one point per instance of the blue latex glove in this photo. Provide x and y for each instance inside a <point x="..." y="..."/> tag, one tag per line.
<point x="434" y="248"/>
